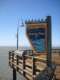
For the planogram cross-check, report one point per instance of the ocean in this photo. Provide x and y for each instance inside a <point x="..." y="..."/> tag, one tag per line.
<point x="5" y="70"/>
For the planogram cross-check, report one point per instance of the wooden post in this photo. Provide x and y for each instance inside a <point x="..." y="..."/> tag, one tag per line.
<point x="9" y="57"/>
<point x="17" y="61"/>
<point x="12" y="59"/>
<point x="33" y="67"/>
<point x="14" y="70"/>
<point x="14" y="74"/>
<point x="23" y="58"/>
<point x="49" y="41"/>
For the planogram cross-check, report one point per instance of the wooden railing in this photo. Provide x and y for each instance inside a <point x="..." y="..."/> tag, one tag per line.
<point x="30" y="66"/>
<point x="56" y="60"/>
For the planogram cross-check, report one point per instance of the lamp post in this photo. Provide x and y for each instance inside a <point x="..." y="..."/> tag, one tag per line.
<point x="14" y="70"/>
<point x="22" y="25"/>
<point x="17" y="36"/>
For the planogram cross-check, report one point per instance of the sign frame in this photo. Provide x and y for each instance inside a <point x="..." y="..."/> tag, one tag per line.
<point x="48" y="37"/>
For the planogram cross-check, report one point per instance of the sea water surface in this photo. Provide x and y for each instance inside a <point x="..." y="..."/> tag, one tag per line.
<point x="5" y="70"/>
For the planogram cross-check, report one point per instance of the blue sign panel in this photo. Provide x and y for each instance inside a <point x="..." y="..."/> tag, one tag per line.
<point x="37" y="37"/>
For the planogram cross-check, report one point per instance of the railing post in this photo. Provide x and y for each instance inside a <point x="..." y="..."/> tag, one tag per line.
<point x="14" y="70"/>
<point x="17" y="61"/>
<point x="14" y="74"/>
<point x="9" y="57"/>
<point x="33" y="67"/>
<point x="12" y="59"/>
<point x="23" y="58"/>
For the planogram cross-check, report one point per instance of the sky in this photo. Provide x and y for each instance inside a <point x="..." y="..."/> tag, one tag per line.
<point x="13" y="10"/>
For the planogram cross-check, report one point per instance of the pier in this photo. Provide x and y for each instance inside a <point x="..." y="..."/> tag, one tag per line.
<point x="41" y="62"/>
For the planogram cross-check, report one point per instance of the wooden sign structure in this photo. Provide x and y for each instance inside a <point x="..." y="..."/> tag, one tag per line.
<point x="31" y="66"/>
<point x="39" y="35"/>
